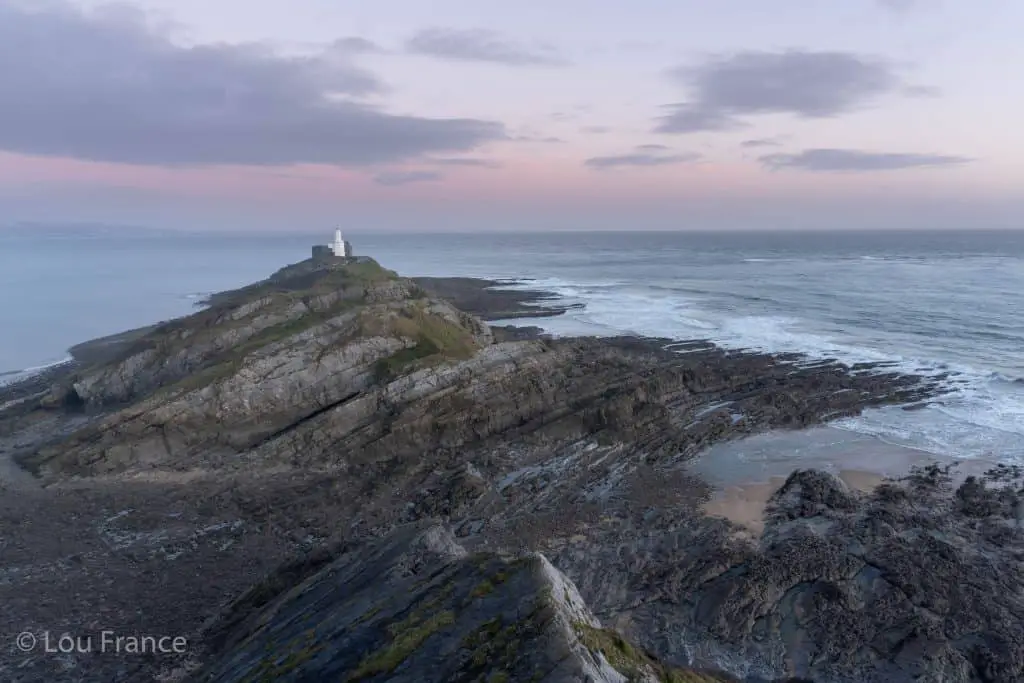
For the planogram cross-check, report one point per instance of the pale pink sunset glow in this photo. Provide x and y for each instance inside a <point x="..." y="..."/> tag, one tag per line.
<point x="691" y="116"/>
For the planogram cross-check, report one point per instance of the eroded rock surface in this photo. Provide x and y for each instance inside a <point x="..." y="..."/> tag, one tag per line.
<point x="903" y="584"/>
<point x="414" y="607"/>
<point x="332" y="407"/>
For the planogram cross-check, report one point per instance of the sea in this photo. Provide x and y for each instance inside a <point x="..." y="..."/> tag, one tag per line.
<point x="945" y="304"/>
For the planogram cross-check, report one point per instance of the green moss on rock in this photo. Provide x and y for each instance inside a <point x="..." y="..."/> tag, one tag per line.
<point x="396" y="363"/>
<point x="368" y="271"/>
<point x="407" y="637"/>
<point x="483" y="588"/>
<point x="273" y="667"/>
<point x="435" y="338"/>
<point x="635" y="663"/>
<point x="369" y="614"/>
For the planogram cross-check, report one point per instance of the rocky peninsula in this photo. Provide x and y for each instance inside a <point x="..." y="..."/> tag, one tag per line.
<point x="341" y="474"/>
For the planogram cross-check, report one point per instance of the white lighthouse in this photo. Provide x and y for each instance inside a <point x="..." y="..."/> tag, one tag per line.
<point x="339" y="245"/>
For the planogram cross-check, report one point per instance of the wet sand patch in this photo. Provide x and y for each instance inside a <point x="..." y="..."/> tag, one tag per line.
<point x="746" y="473"/>
<point x="745" y="504"/>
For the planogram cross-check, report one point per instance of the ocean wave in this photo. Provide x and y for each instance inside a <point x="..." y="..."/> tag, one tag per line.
<point x="981" y="416"/>
<point x="1006" y="379"/>
<point x="40" y="368"/>
<point x="938" y="430"/>
<point x="679" y="289"/>
<point x="556" y="283"/>
<point x="13" y="376"/>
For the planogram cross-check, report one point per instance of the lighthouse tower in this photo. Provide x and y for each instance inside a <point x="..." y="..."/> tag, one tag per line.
<point x="339" y="245"/>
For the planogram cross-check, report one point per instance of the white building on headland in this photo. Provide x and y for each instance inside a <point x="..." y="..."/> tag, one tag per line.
<point x="339" y="246"/>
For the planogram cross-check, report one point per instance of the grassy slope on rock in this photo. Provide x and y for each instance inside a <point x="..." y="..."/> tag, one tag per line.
<point x="431" y="337"/>
<point x="306" y="277"/>
<point x="434" y="337"/>
<point x="294" y="284"/>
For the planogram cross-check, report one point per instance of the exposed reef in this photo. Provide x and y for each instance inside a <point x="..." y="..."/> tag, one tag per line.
<point x="323" y="474"/>
<point x="415" y="607"/>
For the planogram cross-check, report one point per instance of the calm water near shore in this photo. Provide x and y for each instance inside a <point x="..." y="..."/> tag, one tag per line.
<point x="935" y="303"/>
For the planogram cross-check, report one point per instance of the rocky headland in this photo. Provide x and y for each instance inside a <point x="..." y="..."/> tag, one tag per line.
<point x="342" y="474"/>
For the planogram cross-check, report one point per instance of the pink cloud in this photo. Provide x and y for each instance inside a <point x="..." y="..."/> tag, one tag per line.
<point x="555" y="178"/>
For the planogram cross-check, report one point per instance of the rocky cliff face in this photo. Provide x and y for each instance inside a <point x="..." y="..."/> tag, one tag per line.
<point x="340" y="404"/>
<point x="315" y="300"/>
<point x="892" y="586"/>
<point x="915" y="581"/>
<point x="415" y="607"/>
<point x="255" y="365"/>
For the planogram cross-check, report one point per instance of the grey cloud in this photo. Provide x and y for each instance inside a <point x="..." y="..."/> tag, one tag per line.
<point x="806" y="84"/>
<point x="478" y="163"/>
<point x="837" y="160"/>
<point x="395" y="178"/>
<point x="356" y="45"/>
<point x="595" y="130"/>
<point x="640" y="159"/>
<point x="547" y="140"/>
<point x="652" y="148"/>
<point x="108" y="87"/>
<point x="921" y="91"/>
<point x="692" y="119"/>
<point x="898" y="5"/>
<point x="479" y="45"/>
<point x="637" y="45"/>
<point x="760" y="142"/>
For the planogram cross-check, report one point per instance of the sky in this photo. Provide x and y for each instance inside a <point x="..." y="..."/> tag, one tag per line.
<point x="475" y="115"/>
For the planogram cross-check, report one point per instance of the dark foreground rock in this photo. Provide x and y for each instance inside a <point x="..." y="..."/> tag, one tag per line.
<point x="415" y="607"/>
<point x="905" y="584"/>
<point x="331" y="407"/>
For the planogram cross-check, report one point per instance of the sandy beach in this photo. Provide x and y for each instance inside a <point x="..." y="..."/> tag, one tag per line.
<point x="745" y="503"/>
<point x="748" y="472"/>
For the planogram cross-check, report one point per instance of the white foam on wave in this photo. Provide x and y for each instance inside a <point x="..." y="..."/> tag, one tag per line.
<point x="562" y="288"/>
<point x="981" y="417"/>
<point x="768" y="260"/>
<point x="25" y="373"/>
<point x="784" y="334"/>
<point x="936" y="429"/>
<point x="40" y="368"/>
<point x="975" y="420"/>
<point x="866" y="257"/>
